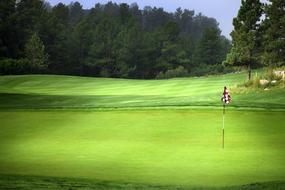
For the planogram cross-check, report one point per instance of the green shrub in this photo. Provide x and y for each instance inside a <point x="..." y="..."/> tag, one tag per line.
<point x="267" y="75"/>
<point x="19" y="66"/>
<point x="248" y="83"/>
<point x="13" y="66"/>
<point x="211" y="70"/>
<point x="173" y="73"/>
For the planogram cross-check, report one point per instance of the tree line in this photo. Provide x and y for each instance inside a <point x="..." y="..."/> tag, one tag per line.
<point x="108" y="40"/>
<point x="258" y="38"/>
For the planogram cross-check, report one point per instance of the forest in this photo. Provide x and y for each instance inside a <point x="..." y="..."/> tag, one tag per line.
<point x="125" y="41"/>
<point x="108" y="40"/>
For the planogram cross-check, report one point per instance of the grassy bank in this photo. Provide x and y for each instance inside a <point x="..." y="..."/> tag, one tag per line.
<point x="64" y="92"/>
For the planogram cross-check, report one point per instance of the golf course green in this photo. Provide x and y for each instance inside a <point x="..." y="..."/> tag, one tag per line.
<point x="65" y="92"/>
<point x="154" y="133"/>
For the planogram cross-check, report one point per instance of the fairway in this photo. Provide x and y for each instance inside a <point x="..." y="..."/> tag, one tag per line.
<point x="66" y="92"/>
<point x="150" y="147"/>
<point x="160" y="134"/>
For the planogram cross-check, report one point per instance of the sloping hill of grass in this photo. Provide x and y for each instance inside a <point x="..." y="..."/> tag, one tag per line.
<point x="48" y="91"/>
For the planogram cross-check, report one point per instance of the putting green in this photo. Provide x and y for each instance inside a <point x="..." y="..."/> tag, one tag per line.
<point x="166" y="147"/>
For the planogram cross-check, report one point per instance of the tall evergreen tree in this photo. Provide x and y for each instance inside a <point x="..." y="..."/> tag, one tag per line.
<point x="209" y="49"/>
<point x="102" y="54"/>
<point x="273" y="29"/>
<point x="28" y="14"/>
<point x="8" y="42"/>
<point x="244" y="35"/>
<point x="36" y="54"/>
<point x="76" y="13"/>
<point x="169" y="35"/>
<point x="58" y="41"/>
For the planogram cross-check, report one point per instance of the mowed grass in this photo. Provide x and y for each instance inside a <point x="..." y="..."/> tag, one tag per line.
<point x="166" y="147"/>
<point x="46" y="92"/>
<point x="68" y="130"/>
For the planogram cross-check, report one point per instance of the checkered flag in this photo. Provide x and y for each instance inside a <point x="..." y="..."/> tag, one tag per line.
<point x="226" y="98"/>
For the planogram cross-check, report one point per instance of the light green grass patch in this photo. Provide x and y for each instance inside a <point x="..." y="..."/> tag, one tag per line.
<point x="64" y="92"/>
<point x="149" y="147"/>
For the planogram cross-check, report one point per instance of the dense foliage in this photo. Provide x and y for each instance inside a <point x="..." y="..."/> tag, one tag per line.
<point x="245" y="33"/>
<point x="258" y="38"/>
<point x="273" y="52"/>
<point x="110" y="40"/>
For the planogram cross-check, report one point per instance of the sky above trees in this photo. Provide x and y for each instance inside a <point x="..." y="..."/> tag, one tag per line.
<point x="222" y="10"/>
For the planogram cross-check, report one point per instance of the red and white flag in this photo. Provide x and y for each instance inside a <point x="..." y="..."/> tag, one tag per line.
<point x="226" y="98"/>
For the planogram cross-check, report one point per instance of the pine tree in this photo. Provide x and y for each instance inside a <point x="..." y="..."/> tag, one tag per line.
<point x="35" y="53"/>
<point x="244" y="35"/>
<point x="274" y="34"/>
<point x="209" y="49"/>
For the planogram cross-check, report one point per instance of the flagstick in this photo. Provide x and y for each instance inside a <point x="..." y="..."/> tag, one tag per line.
<point x="223" y="132"/>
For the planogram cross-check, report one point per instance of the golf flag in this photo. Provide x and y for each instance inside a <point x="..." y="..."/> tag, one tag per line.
<point x="226" y="98"/>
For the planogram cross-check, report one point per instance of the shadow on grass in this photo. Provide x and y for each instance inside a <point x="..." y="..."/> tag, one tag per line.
<point x="35" y="183"/>
<point x="38" y="101"/>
